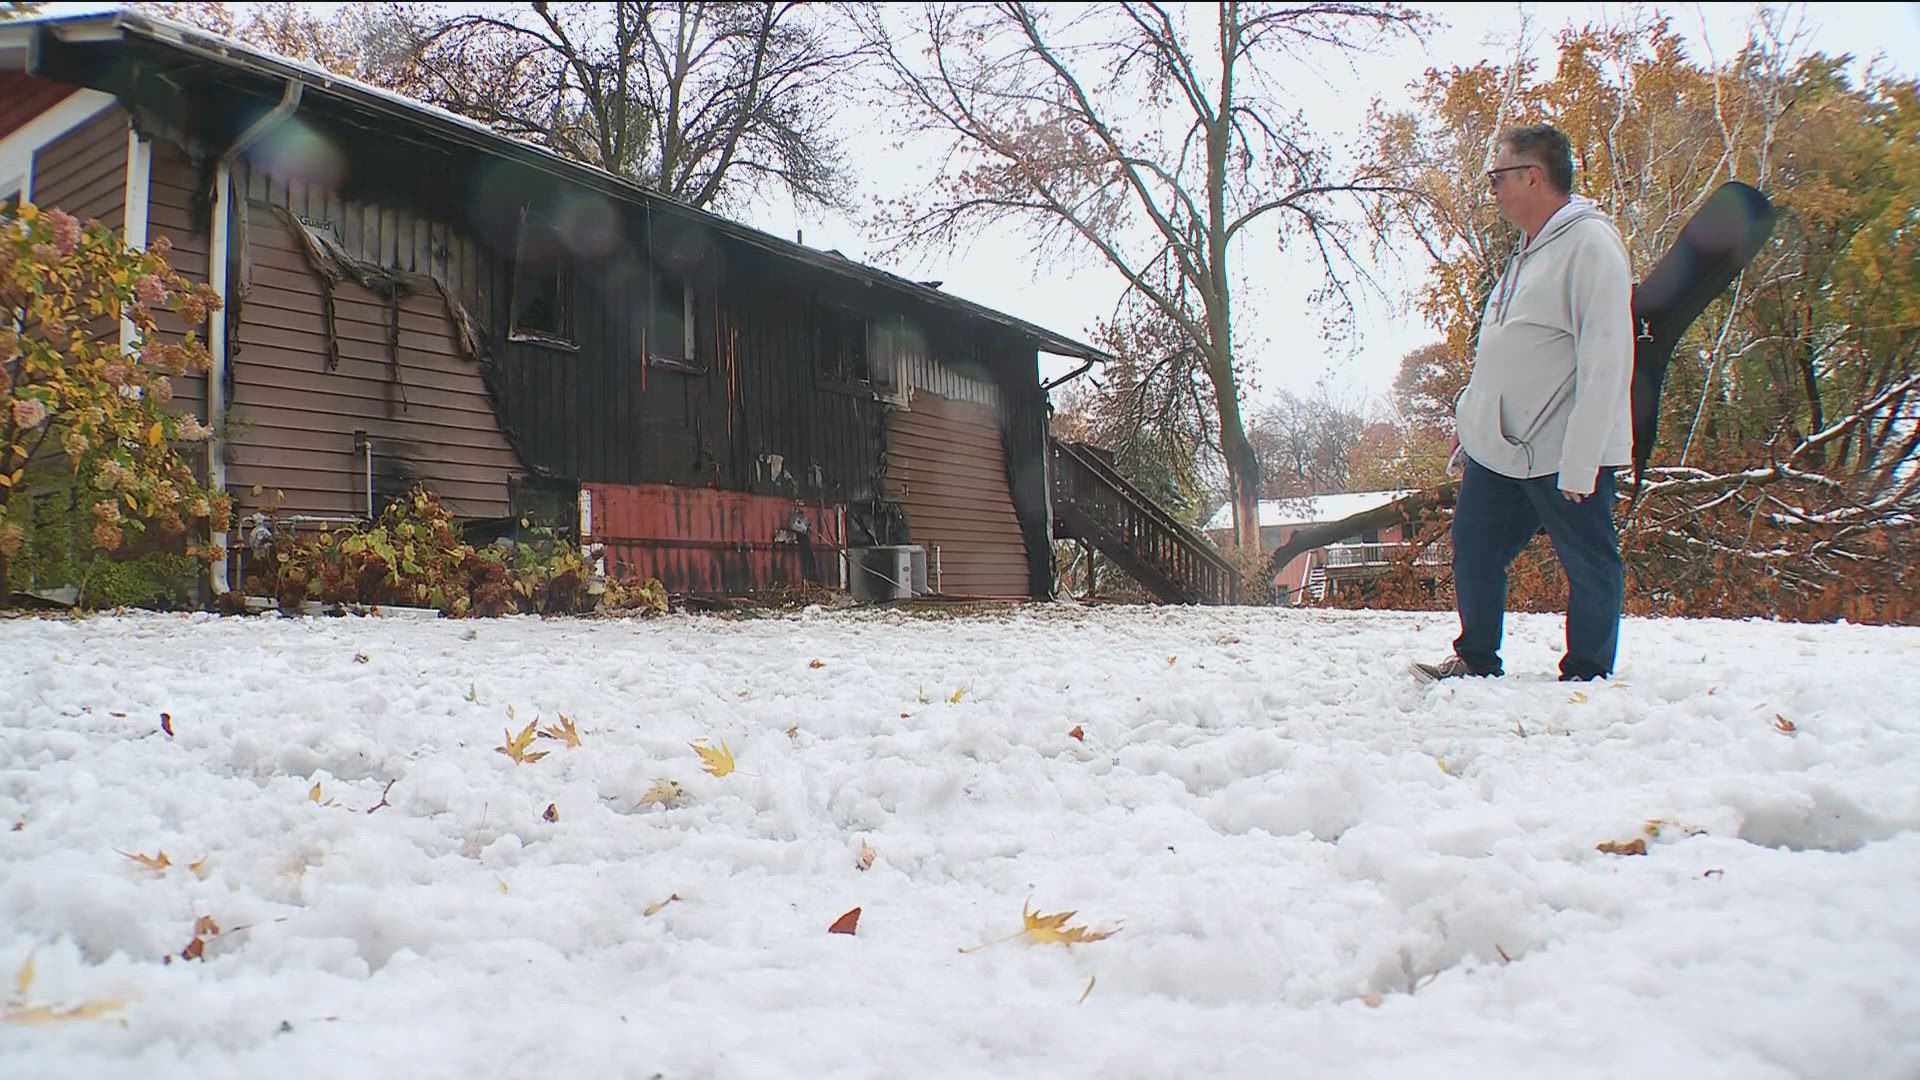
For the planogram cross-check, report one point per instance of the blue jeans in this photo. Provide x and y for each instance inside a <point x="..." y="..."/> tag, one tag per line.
<point x="1493" y="519"/>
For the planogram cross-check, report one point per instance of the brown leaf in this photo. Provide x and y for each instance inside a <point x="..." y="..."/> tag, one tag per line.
<point x="1088" y="990"/>
<point x="653" y="909"/>
<point x="845" y="924"/>
<point x="1078" y="732"/>
<point x="360" y="658"/>
<point x="820" y="664"/>
<point x="166" y="724"/>
<point x="195" y="950"/>
<point x="47" y="1014"/>
<point x="1635" y="846"/>
<point x="552" y="814"/>
<point x="1783" y="725"/>
<point x="204" y="926"/>
<point x="793" y="733"/>
<point x="865" y="861"/>
<point x="199" y="867"/>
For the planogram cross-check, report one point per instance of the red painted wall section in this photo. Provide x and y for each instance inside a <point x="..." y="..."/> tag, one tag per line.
<point x="23" y="97"/>
<point x="703" y="540"/>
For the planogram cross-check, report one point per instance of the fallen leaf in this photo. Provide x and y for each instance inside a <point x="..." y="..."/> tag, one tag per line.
<point x="865" y="861"/>
<point x="166" y="724"/>
<point x="23" y="979"/>
<point x="1577" y="698"/>
<point x="1504" y="958"/>
<point x="955" y="699"/>
<point x="1635" y="846"/>
<point x="667" y="793"/>
<point x="793" y="732"/>
<point x="1783" y="725"/>
<point x="195" y="950"/>
<point x="552" y="814"/>
<point x="718" y="761"/>
<point x="204" y="926"/>
<point x="654" y="909"/>
<point x="503" y="884"/>
<point x="313" y="794"/>
<point x="563" y="731"/>
<point x="47" y="1014"/>
<point x="156" y="862"/>
<point x="1372" y="999"/>
<point x="359" y="658"/>
<point x="846" y="924"/>
<point x="1053" y="929"/>
<point x="1077" y="733"/>
<point x="516" y="747"/>
<point x="1088" y="990"/>
<point x="1171" y="659"/>
<point x="817" y="664"/>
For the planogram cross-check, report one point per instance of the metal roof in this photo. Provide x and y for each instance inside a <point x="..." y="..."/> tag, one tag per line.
<point x="121" y="24"/>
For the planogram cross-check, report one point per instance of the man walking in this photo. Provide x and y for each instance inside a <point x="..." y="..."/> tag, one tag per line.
<point x="1546" y="416"/>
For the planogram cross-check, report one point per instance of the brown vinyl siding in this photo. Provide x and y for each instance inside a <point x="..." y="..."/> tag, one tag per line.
<point x="170" y="213"/>
<point x="429" y="417"/>
<point x="23" y="97"/>
<point x="84" y="172"/>
<point x="947" y="467"/>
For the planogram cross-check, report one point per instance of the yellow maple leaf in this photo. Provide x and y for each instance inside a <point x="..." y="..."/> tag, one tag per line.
<point x="516" y="747"/>
<point x="666" y="793"/>
<point x="47" y="1014"/>
<point x="1053" y="929"/>
<point x="718" y="761"/>
<point x="563" y="731"/>
<point x="955" y="699"/>
<point x="156" y="862"/>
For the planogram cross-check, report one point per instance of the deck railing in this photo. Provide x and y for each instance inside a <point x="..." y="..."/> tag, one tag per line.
<point x="1094" y="503"/>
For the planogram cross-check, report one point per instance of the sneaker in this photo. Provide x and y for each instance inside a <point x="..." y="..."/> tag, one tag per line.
<point x="1451" y="668"/>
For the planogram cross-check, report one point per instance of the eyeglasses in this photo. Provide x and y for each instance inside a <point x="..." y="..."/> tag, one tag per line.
<point x="1493" y="175"/>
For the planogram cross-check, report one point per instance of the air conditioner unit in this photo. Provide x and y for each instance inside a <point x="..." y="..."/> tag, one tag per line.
<point x="889" y="572"/>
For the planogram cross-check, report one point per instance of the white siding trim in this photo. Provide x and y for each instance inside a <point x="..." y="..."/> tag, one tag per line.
<point x="139" y="189"/>
<point x="18" y="148"/>
<point x="217" y="345"/>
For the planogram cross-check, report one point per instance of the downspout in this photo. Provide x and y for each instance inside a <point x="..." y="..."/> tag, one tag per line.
<point x="219" y="273"/>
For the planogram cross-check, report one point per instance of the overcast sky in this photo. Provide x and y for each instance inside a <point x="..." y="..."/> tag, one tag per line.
<point x="1284" y="345"/>
<point x="1286" y="348"/>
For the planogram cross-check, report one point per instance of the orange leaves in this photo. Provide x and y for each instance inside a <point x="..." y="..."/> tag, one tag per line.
<point x="166" y="724"/>
<point x="1783" y="725"/>
<point x="846" y="924"/>
<point x="1635" y="846"/>
<point x="204" y="928"/>
<point x="516" y="745"/>
<point x="1078" y="732"/>
<point x="156" y="862"/>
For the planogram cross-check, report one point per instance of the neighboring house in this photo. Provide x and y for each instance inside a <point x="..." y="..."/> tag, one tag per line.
<point x="412" y="298"/>
<point x="1310" y="575"/>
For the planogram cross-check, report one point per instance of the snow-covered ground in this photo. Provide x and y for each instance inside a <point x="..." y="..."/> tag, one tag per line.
<point x="1317" y="867"/>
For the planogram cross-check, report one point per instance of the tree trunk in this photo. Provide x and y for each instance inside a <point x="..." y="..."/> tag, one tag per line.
<point x="1399" y="512"/>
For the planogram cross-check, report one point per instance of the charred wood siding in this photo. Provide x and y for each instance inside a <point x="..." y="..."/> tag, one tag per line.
<point x="423" y="405"/>
<point x="948" y="467"/>
<point x="84" y="172"/>
<point x="700" y="540"/>
<point x="23" y="97"/>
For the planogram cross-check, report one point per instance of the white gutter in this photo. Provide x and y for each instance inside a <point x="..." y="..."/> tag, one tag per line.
<point x="219" y="275"/>
<point x="139" y="188"/>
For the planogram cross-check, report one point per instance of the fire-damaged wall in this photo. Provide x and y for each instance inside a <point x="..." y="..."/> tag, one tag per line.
<point x="486" y="322"/>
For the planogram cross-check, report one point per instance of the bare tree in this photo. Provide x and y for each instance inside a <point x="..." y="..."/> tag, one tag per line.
<point x="712" y="103"/>
<point x="1149" y="135"/>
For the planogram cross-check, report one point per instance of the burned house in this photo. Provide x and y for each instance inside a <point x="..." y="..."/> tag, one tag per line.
<point x="412" y="298"/>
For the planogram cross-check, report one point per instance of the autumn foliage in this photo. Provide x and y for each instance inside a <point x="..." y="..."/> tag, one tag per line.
<point x="82" y="416"/>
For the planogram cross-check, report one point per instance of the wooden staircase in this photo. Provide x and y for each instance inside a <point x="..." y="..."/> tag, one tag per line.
<point x="1094" y="504"/>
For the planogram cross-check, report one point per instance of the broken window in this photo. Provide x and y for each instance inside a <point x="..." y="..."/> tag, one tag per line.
<point x="670" y="339"/>
<point x="842" y="346"/>
<point x="542" y="285"/>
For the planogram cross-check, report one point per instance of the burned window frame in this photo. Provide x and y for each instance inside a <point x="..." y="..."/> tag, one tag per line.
<point x="690" y="362"/>
<point x="874" y="371"/>
<point x="565" y="335"/>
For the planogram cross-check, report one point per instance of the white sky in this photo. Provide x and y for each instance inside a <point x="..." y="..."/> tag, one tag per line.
<point x="1285" y="345"/>
<point x="1285" y="348"/>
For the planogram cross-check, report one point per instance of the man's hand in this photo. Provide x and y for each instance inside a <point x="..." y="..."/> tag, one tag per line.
<point x="1573" y="496"/>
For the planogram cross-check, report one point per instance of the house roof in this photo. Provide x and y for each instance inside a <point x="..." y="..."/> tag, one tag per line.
<point x="119" y="24"/>
<point x="1311" y="509"/>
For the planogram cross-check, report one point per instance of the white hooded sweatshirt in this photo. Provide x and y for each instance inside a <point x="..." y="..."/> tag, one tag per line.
<point x="1551" y="390"/>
